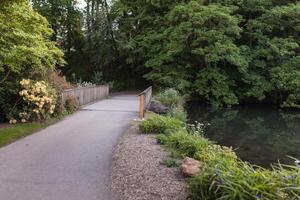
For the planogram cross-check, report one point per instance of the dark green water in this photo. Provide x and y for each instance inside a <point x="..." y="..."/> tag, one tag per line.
<point x="261" y="135"/>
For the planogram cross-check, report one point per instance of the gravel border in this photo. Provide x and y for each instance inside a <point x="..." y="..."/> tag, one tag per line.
<point x="137" y="173"/>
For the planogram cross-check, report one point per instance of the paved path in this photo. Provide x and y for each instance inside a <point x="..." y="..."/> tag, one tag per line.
<point x="70" y="160"/>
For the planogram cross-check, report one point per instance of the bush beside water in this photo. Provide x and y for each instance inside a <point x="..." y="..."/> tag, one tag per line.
<point x="170" y="98"/>
<point x="174" y="101"/>
<point x="160" y="124"/>
<point x="224" y="176"/>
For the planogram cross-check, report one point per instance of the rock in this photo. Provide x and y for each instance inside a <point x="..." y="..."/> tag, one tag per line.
<point x="190" y="166"/>
<point x="158" y="108"/>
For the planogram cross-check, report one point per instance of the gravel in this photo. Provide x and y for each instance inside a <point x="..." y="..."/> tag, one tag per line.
<point x="137" y="173"/>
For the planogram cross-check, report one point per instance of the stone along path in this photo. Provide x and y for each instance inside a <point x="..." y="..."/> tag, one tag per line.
<point x="70" y="160"/>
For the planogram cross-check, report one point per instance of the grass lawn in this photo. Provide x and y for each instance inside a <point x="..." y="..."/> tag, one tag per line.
<point x="14" y="132"/>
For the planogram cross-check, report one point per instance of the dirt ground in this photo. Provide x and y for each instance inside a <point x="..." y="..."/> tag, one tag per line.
<point x="138" y="173"/>
<point x="4" y="125"/>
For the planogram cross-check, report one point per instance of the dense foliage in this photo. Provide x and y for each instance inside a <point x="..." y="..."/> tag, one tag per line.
<point x="170" y="98"/>
<point x="25" y="50"/>
<point x="24" y="40"/>
<point x="66" y="20"/>
<point x="224" y="52"/>
<point x="37" y="101"/>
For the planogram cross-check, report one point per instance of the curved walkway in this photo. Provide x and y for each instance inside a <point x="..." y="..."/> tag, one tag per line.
<point x="70" y="160"/>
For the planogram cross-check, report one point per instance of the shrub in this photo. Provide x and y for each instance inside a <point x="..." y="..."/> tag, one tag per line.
<point x="185" y="144"/>
<point x="240" y="180"/>
<point x="178" y="113"/>
<point x="161" y="138"/>
<point x="36" y="102"/>
<point x="160" y="124"/>
<point x="59" y="107"/>
<point x="71" y="104"/>
<point x="57" y="80"/>
<point x="170" y="97"/>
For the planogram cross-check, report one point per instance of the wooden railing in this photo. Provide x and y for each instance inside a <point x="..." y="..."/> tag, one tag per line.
<point x="86" y="95"/>
<point x="145" y="100"/>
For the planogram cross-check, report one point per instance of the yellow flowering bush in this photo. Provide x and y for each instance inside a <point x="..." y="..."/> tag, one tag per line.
<point x="38" y="100"/>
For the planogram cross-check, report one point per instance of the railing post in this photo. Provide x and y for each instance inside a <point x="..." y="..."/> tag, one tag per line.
<point x="142" y="111"/>
<point x="145" y="99"/>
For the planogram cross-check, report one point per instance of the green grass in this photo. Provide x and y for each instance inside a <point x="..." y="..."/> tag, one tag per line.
<point x="15" y="132"/>
<point x="159" y="124"/>
<point x="169" y="163"/>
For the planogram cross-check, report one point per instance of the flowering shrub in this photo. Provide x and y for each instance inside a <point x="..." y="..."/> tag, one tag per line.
<point x="197" y="127"/>
<point x="37" y="101"/>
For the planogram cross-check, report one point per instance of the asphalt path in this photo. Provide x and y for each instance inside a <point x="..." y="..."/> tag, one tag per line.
<point x="70" y="160"/>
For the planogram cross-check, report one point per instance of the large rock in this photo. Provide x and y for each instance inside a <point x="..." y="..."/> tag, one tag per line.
<point x="158" y="108"/>
<point x="191" y="167"/>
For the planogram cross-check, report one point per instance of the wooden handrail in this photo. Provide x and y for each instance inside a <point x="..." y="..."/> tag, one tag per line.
<point x="145" y="91"/>
<point x="145" y="99"/>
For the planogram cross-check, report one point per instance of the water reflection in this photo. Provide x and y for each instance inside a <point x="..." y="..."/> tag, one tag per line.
<point x="260" y="135"/>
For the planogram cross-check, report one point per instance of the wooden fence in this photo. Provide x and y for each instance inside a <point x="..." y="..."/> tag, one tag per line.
<point x="86" y="95"/>
<point x="145" y="100"/>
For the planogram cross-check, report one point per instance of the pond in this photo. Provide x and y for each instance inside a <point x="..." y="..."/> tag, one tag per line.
<point x="261" y="135"/>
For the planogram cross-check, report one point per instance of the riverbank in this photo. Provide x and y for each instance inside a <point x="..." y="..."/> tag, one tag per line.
<point x="138" y="172"/>
<point x="222" y="174"/>
<point x="261" y="135"/>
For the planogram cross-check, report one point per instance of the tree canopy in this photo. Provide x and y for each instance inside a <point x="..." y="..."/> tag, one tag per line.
<point x="223" y="52"/>
<point x="26" y="50"/>
<point x="24" y="40"/>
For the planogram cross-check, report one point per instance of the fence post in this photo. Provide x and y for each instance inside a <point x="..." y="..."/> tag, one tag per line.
<point x="142" y="111"/>
<point x="145" y="100"/>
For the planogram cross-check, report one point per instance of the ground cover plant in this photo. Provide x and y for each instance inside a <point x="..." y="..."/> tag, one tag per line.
<point x="159" y="124"/>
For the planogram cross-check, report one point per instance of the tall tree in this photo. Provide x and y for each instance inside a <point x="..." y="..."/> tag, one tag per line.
<point x="66" y="19"/>
<point x="26" y="50"/>
<point x="226" y="52"/>
<point x="24" y="40"/>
